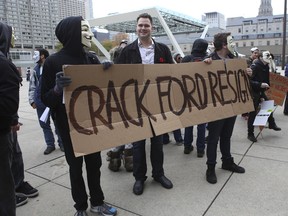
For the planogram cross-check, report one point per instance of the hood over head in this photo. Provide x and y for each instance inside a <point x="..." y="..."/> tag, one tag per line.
<point x="68" y="32"/>
<point x="199" y="47"/>
<point x="5" y="38"/>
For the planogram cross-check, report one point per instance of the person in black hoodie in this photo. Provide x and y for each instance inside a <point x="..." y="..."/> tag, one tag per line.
<point x="9" y="103"/>
<point x="74" y="33"/>
<point x="198" y="53"/>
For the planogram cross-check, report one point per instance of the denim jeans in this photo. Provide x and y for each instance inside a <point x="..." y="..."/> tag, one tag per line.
<point x="48" y="134"/>
<point x="200" y="142"/>
<point x="7" y="188"/>
<point x="177" y="136"/>
<point x="156" y="157"/>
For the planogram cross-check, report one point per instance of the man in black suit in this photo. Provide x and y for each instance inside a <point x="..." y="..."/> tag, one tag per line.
<point x="145" y="50"/>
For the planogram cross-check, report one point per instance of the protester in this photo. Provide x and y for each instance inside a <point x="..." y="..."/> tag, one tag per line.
<point x="116" y="50"/>
<point x="254" y="55"/>
<point x="285" y="111"/>
<point x="23" y="189"/>
<point x="198" y="53"/>
<point x="35" y="101"/>
<point x="177" y="57"/>
<point x="146" y="50"/>
<point x="221" y="130"/>
<point x="124" y="152"/>
<point x="260" y="82"/>
<point x="9" y="103"/>
<point x="75" y="34"/>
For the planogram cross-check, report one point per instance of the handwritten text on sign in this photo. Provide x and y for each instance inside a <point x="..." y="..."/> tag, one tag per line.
<point x="127" y="103"/>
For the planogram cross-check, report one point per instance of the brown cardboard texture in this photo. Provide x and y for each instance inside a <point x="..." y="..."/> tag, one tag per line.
<point x="278" y="88"/>
<point x="127" y="103"/>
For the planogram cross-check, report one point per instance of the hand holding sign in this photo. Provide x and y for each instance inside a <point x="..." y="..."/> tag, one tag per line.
<point x="61" y="82"/>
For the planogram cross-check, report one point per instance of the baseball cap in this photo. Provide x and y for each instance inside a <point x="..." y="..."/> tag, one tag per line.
<point x="254" y="49"/>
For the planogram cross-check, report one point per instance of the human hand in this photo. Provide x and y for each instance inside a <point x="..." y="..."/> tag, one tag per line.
<point x="15" y="128"/>
<point x="33" y="105"/>
<point x="265" y="85"/>
<point x="61" y="82"/>
<point x="106" y="64"/>
<point x="208" y="60"/>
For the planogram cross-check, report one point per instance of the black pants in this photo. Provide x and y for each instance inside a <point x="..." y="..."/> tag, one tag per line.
<point x="7" y="189"/>
<point x="17" y="161"/>
<point x="93" y="163"/>
<point x="221" y="129"/>
<point x="252" y="115"/>
<point x="156" y="157"/>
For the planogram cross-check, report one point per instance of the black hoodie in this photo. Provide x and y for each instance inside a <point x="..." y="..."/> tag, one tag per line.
<point x="199" y="51"/>
<point x="9" y="82"/>
<point x="68" y="32"/>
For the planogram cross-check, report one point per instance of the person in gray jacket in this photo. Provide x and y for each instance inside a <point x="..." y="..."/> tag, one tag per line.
<point x="35" y="101"/>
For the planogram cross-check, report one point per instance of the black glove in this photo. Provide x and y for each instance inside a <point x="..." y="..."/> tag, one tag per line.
<point x="61" y="82"/>
<point x="106" y="64"/>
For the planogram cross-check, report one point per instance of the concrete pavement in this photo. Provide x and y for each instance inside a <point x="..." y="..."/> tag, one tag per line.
<point x="262" y="190"/>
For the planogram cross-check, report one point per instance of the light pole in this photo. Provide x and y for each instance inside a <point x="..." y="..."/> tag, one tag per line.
<point x="284" y="34"/>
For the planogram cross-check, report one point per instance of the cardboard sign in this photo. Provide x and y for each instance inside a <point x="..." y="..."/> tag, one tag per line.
<point x="267" y="107"/>
<point x="131" y="102"/>
<point x="278" y="88"/>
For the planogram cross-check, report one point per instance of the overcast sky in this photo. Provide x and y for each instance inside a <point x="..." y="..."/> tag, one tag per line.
<point x="230" y="8"/>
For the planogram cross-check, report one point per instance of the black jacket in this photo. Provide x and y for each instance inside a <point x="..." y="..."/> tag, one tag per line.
<point x="9" y="82"/>
<point x="199" y="51"/>
<point x="260" y="75"/>
<point x="68" y="32"/>
<point x="131" y="54"/>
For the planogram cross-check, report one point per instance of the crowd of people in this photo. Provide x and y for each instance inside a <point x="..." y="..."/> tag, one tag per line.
<point x="46" y="92"/>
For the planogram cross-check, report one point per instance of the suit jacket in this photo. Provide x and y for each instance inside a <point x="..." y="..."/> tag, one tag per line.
<point x="131" y="54"/>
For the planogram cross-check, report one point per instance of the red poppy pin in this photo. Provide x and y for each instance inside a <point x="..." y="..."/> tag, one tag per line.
<point x="161" y="60"/>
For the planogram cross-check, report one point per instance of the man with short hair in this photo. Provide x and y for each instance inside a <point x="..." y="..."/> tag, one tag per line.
<point x="35" y="101"/>
<point x="146" y="50"/>
<point x="221" y="130"/>
<point x="254" y="55"/>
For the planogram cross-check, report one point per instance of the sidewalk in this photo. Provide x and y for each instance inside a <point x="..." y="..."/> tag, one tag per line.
<point x="262" y="190"/>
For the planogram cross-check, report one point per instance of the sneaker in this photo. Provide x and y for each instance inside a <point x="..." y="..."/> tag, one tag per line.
<point x="48" y="150"/>
<point x="27" y="190"/>
<point x="81" y="213"/>
<point x="21" y="200"/>
<point x="180" y="142"/>
<point x="200" y="153"/>
<point x="104" y="210"/>
<point x="252" y="138"/>
<point x="188" y="150"/>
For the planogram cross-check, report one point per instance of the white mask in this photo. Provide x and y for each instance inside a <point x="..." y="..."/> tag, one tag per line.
<point x="266" y="57"/>
<point x="86" y="33"/>
<point x="231" y="45"/>
<point x="36" y="57"/>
